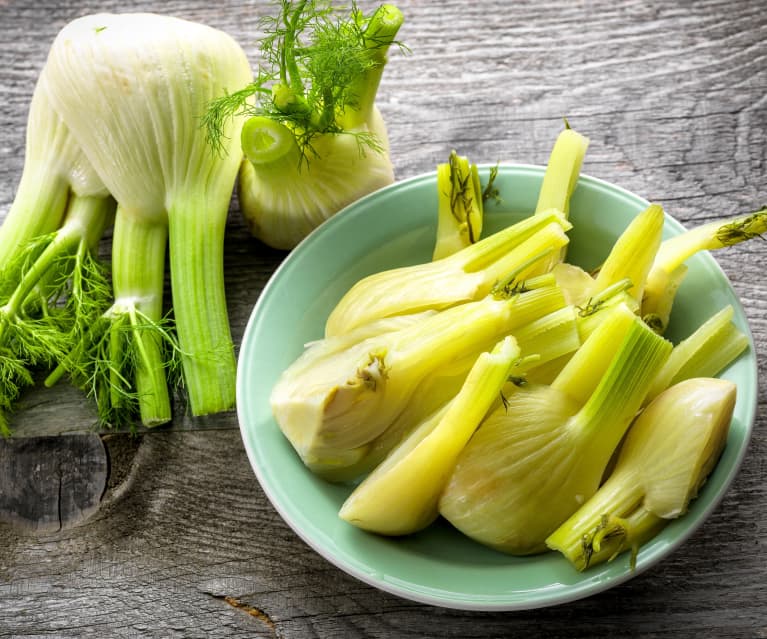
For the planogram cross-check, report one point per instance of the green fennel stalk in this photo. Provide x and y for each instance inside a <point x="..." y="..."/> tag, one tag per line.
<point x="52" y="284"/>
<point x="122" y="360"/>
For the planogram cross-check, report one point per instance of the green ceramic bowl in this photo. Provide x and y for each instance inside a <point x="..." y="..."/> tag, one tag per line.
<point x="394" y="227"/>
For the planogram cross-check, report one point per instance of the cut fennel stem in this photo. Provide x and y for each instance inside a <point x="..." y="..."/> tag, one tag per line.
<point x="535" y="460"/>
<point x="561" y="178"/>
<point x="562" y="171"/>
<point x="132" y="89"/>
<point x="630" y="258"/>
<point x="587" y="319"/>
<point x="400" y="496"/>
<point x="332" y="407"/>
<point x="633" y="252"/>
<point x="664" y="460"/>
<point x="712" y="347"/>
<point x="467" y="275"/>
<point x="669" y="268"/>
<point x="459" y="206"/>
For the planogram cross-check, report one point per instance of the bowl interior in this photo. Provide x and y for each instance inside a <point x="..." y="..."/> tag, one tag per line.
<point x="394" y="227"/>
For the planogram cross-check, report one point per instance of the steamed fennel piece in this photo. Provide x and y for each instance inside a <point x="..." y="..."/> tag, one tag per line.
<point x="560" y="179"/>
<point x="712" y="347"/>
<point x="538" y="457"/>
<point x="132" y="89"/>
<point x="562" y="171"/>
<point x="401" y="495"/>
<point x="333" y="402"/>
<point x="469" y="274"/>
<point x="630" y="258"/>
<point x="669" y="268"/>
<point x="460" y="204"/>
<point x="539" y="341"/>
<point x="666" y="457"/>
<point x="314" y="140"/>
<point x="619" y="280"/>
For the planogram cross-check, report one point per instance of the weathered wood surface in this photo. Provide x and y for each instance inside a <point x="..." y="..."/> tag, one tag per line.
<point x="184" y="543"/>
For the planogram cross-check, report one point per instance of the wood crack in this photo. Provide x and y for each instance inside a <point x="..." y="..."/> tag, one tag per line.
<point x="250" y="610"/>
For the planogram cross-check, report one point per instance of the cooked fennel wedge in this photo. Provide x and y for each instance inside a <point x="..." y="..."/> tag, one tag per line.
<point x="401" y="495"/>
<point x="669" y="267"/>
<point x="665" y="459"/>
<point x="538" y="457"/>
<point x="333" y="403"/>
<point x="460" y="205"/>
<point x="466" y="275"/>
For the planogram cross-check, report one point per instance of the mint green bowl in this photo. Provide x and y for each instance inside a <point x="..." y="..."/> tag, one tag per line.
<point x="394" y="227"/>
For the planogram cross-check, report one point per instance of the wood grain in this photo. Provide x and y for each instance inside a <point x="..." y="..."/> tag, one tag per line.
<point x="185" y="544"/>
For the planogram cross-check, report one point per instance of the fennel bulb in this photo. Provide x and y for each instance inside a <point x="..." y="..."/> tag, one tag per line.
<point x="533" y="461"/>
<point x="283" y="200"/>
<point x="315" y="140"/>
<point x="666" y="457"/>
<point x="132" y="89"/>
<point x="401" y="495"/>
<point x="334" y="401"/>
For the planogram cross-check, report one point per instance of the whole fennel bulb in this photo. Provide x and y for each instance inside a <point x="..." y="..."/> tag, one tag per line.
<point x="132" y="89"/>
<point x="315" y="140"/>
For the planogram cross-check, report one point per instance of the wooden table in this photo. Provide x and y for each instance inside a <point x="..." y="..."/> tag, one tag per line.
<point x="183" y="543"/>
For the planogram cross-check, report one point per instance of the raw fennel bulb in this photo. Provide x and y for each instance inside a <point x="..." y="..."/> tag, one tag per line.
<point x="132" y="89"/>
<point x="315" y="140"/>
